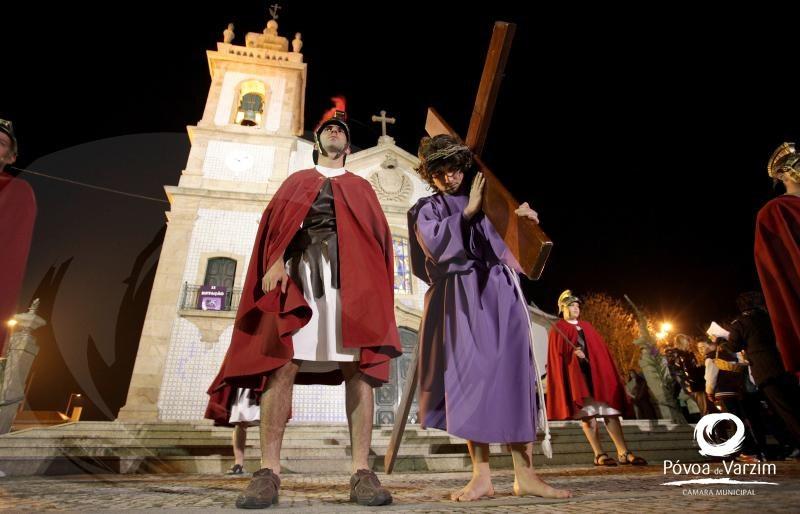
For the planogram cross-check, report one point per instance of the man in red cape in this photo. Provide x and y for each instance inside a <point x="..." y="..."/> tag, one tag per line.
<point x="583" y="382"/>
<point x="17" y="214"/>
<point x="777" y="254"/>
<point x="324" y="316"/>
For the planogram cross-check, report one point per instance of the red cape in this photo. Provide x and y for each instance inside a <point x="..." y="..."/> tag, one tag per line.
<point x="777" y="254"/>
<point x="17" y="214"/>
<point x="566" y="386"/>
<point x="262" y="339"/>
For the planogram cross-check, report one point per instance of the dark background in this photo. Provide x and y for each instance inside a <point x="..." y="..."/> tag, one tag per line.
<point x="640" y="138"/>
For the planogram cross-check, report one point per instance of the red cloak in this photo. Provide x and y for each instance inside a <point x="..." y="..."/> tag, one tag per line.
<point x="566" y="385"/>
<point x="262" y="341"/>
<point x="17" y="214"/>
<point x="777" y="255"/>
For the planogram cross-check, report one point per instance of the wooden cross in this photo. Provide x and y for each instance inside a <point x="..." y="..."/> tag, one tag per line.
<point x="526" y="240"/>
<point x="383" y="121"/>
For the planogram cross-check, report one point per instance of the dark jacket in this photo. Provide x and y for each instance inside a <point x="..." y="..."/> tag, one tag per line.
<point x="752" y="332"/>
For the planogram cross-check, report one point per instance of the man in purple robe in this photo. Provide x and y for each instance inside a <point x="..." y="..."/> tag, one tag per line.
<point x="476" y="368"/>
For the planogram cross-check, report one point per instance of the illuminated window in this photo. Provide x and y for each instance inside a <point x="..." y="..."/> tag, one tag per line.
<point x="250" y="108"/>
<point x="402" y="267"/>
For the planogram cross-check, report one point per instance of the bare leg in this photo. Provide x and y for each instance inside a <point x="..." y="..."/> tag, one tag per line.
<point x="591" y="430"/>
<point x="359" y="403"/>
<point x="275" y="405"/>
<point x="481" y="483"/>
<point x="614" y="428"/>
<point x="239" y="441"/>
<point x="526" y="481"/>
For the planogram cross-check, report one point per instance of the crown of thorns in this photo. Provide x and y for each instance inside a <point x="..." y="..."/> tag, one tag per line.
<point x="446" y="152"/>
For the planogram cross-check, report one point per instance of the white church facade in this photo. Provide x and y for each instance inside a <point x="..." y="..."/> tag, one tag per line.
<point x="247" y="142"/>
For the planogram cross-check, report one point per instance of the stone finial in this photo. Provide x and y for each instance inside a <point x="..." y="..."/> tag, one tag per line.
<point x="28" y="321"/>
<point x="297" y="43"/>
<point x="15" y="367"/>
<point x="228" y="34"/>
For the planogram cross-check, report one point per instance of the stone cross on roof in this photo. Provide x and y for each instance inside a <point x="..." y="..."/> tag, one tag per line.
<point x="383" y="120"/>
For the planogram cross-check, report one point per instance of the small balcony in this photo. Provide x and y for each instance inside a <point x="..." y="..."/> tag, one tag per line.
<point x="195" y="300"/>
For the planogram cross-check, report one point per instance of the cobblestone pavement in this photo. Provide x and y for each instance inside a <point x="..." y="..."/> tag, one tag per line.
<point x="596" y="490"/>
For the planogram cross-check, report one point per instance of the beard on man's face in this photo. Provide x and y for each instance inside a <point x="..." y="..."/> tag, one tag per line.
<point x="335" y="148"/>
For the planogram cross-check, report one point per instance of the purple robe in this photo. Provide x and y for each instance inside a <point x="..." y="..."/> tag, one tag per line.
<point x="477" y="379"/>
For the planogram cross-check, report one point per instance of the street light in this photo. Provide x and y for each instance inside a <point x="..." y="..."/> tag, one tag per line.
<point x="76" y="403"/>
<point x="666" y="327"/>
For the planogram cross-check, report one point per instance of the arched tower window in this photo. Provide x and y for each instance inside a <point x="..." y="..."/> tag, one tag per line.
<point x="251" y="104"/>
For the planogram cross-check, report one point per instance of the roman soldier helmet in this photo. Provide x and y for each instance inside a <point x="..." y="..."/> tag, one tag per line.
<point x="339" y="118"/>
<point x="565" y="299"/>
<point x="7" y="128"/>
<point x="785" y="159"/>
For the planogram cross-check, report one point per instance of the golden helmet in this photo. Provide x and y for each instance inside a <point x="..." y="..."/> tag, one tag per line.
<point x="785" y="159"/>
<point x="565" y="299"/>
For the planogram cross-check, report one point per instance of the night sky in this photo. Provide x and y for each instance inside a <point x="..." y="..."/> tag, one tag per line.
<point x="642" y="145"/>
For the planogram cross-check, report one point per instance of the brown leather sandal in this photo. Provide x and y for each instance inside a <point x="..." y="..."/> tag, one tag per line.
<point x="625" y="459"/>
<point x="602" y="459"/>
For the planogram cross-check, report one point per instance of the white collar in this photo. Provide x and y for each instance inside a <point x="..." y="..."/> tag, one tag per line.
<point x="330" y="172"/>
<point x="571" y="321"/>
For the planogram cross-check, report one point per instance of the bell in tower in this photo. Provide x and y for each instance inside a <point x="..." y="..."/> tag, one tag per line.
<point x="251" y="109"/>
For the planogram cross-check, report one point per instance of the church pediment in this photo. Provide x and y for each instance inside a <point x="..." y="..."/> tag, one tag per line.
<point x="390" y="170"/>
<point x="377" y="154"/>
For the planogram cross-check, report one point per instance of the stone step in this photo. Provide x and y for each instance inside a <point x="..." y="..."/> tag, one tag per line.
<point x="93" y="426"/>
<point x="109" y="430"/>
<point x="60" y="465"/>
<point x="199" y="439"/>
<point x="317" y="450"/>
<point x="198" y="448"/>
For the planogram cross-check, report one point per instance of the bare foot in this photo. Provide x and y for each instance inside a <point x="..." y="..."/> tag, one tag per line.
<point x="529" y="484"/>
<point x="478" y="487"/>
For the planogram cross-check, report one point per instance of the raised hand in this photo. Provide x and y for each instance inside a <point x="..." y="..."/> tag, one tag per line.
<point x="475" y="196"/>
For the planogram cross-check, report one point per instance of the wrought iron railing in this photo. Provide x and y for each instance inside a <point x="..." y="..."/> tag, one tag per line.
<point x="190" y="298"/>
